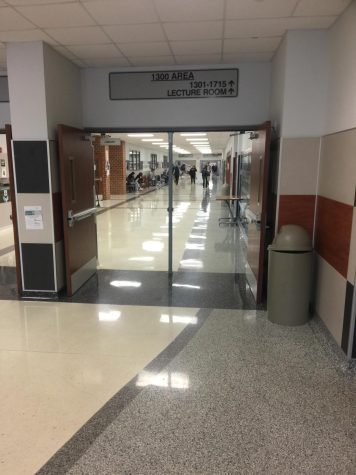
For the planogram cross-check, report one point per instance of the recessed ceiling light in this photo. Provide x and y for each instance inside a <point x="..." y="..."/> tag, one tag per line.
<point x="188" y="134"/>
<point x="140" y="135"/>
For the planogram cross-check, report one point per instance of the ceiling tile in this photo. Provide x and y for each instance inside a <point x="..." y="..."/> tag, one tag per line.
<point x="25" y="35"/>
<point x="251" y="45"/>
<point x="199" y="59"/>
<point x="207" y="30"/>
<point x="196" y="47"/>
<point x="135" y="33"/>
<point x="153" y="61"/>
<point x="321" y="7"/>
<point x="109" y="62"/>
<point x="88" y="35"/>
<point x="246" y="57"/>
<point x="65" y="52"/>
<point x="143" y="49"/>
<point x="79" y="63"/>
<point x="95" y="51"/>
<point x="117" y="12"/>
<point x="188" y="10"/>
<point x="273" y="26"/>
<point x="11" y="20"/>
<point x="259" y="9"/>
<point x="58" y="15"/>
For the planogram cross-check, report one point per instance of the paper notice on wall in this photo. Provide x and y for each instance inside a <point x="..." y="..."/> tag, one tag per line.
<point x="33" y="217"/>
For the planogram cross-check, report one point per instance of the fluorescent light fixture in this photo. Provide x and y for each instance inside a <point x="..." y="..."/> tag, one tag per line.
<point x="196" y="236"/>
<point x="192" y="263"/>
<point x="164" y="379"/>
<point x="110" y="316"/>
<point x="158" y="143"/>
<point x="152" y="140"/>
<point x="195" y="246"/>
<point x="140" y="135"/>
<point x="188" y="286"/>
<point x="165" y="318"/>
<point x="142" y="259"/>
<point x="188" y="134"/>
<point x="125" y="283"/>
<point x="153" y="246"/>
<point x="160" y="234"/>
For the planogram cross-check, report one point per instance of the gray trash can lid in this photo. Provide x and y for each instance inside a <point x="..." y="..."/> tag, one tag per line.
<point x="291" y="238"/>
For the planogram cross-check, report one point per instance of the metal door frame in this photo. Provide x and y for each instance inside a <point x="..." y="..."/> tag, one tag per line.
<point x="170" y="132"/>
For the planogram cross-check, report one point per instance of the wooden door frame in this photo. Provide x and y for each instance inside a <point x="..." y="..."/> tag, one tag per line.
<point x="62" y="129"/>
<point x="234" y="174"/>
<point x="268" y="128"/>
<point x="265" y="125"/>
<point x="8" y="132"/>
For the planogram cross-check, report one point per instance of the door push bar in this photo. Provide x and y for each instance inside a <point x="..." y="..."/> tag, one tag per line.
<point x="74" y="217"/>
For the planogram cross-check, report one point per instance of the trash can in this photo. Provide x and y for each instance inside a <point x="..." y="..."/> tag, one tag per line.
<point x="289" y="276"/>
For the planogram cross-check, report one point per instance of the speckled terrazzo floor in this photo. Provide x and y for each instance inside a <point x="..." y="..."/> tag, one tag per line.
<point x="240" y="395"/>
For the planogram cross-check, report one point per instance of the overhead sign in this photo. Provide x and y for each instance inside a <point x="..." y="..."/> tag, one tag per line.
<point x="109" y="141"/>
<point x="184" y="84"/>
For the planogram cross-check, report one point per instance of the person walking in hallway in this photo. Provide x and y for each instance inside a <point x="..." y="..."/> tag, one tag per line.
<point x="192" y="173"/>
<point x="176" y="173"/>
<point x="205" y="174"/>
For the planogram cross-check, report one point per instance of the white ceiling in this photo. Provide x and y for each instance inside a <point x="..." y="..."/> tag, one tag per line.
<point x="94" y="33"/>
<point x="216" y="140"/>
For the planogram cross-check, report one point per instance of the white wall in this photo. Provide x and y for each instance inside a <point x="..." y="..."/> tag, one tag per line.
<point x="27" y="90"/>
<point x="341" y="113"/>
<point x="4" y="114"/>
<point x="63" y="91"/>
<point x="4" y="106"/>
<point x="249" y="108"/>
<point x="279" y="64"/>
<point x="3" y="144"/>
<point x="306" y="81"/>
<point x="45" y="89"/>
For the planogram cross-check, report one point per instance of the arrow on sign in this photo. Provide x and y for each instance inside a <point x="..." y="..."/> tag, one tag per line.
<point x="232" y="83"/>
<point x="231" y="90"/>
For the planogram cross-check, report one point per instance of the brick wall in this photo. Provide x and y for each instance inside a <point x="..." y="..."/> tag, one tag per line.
<point x="117" y="157"/>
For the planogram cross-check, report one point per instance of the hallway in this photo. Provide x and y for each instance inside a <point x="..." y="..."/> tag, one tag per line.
<point x="208" y="260"/>
<point x="143" y="377"/>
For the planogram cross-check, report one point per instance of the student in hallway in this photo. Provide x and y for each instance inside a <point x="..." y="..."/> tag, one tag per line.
<point x="205" y="174"/>
<point x="176" y="173"/>
<point x="192" y="173"/>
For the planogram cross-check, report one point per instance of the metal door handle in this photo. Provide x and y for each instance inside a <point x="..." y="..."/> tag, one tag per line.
<point x="74" y="217"/>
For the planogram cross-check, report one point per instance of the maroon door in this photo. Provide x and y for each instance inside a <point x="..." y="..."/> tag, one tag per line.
<point x="228" y="167"/>
<point x="234" y="176"/>
<point x="78" y="203"/>
<point x="257" y="208"/>
<point x="8" y="132"/>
